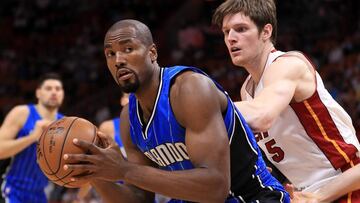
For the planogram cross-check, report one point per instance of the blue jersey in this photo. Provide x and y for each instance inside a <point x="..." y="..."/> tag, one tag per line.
<point x="116" y="122"/>
<point x="162" y="140"/>
<point x="24" y="179"/>
<point x="117" y="138"/>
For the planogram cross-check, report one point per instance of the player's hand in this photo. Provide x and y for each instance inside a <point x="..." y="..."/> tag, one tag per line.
<point x="40" y="126"/>
<point x="302" y="197"/>
<point x="100" y="163"/>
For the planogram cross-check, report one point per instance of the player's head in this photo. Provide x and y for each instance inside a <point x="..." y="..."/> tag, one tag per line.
<point x="50" y="92"/>
<point x="247" y="26"/>
<point x="130" y="53"/>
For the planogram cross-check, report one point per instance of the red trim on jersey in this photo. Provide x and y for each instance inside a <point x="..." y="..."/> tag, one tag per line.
<point x="351" y="197"/>
<point x="321" y="128"/>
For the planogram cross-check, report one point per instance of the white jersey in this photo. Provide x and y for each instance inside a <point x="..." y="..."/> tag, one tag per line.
<point x="312" y="141"/>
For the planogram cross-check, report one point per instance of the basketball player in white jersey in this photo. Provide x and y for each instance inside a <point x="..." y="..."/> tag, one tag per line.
<point x="304" y="132"/>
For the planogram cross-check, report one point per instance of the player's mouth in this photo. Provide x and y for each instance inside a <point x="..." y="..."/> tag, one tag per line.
<point x="235" y="51"/>
<point x="123" y="74"/>
<point x="53" y="99"/>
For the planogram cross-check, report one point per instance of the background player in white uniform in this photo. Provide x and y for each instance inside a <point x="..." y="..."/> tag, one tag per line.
<point x="301" y="128"/>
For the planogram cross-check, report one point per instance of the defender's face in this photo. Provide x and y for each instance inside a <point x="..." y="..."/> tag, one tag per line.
<point x="50" y="93"/>
<point x="242" y="38"/>
<point x="127" y="58"/>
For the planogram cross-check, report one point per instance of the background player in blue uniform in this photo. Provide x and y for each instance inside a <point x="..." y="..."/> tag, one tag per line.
<point x="24" y="181"/>
<point x="112" y="126"/>
<point x="176" y="131"/>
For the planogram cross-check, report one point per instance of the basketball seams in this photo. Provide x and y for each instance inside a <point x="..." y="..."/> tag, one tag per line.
<point x="46" y="161"/>
<point x="65" y="139"/>
<point x="95" y="136"/>
<point x="74" y="127"/>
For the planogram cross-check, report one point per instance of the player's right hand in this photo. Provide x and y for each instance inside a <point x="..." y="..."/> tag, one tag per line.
<point x="99" y="163"/>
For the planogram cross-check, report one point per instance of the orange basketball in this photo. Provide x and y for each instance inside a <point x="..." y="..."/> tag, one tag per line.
<point x="56" y="141"/>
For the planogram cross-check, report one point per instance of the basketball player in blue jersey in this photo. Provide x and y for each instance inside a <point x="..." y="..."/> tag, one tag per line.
<point x="24" y="181"/>
<point x="112" y="126"/>
<point x="182" y="134"/>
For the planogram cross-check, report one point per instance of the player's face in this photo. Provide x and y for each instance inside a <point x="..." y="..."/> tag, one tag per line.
<point x="127" y="58"/>
<point x="242" y="39"/>
<point x="50" y="93"/>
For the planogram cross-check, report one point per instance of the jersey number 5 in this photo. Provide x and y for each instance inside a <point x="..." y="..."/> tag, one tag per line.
<point x="277" y="152"/>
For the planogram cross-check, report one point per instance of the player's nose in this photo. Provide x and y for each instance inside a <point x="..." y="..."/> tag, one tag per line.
<point x="232" y="36"/>
<point x="120" y="60"/>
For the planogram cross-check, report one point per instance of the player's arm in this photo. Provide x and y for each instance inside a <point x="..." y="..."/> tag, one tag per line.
<point x="281" y="80"/>
<point x="113" y="192"/>
<point x="344" y="183"/>
<point x="14" y="121"/>
<point x="196" y="105"/>
<point x="341" y="185"/>
<point x="199" y="111"/>
<point x="195" y="101"/>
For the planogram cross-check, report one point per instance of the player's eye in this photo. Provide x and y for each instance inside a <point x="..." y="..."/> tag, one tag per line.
<point x="226" y="32"/>
<point x="128" y="49"/>
<point x="240" y="29"/>
<point x="110" y="54"/>
<point x="47" y="88"/>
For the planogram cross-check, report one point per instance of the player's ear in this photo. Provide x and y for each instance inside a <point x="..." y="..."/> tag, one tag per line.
<point x="153" y="53"/>
<point x="266" y="32"/>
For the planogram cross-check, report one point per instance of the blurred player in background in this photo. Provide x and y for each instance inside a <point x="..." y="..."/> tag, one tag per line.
<point x="112" y="126"/>
<point x="4" y="163"/>
<point x="23" y="125"/>
<point x="304" y="132"/>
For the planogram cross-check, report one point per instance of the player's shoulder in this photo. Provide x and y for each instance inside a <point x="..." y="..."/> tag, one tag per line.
<point x="18" y="115"/>
<point x="291" y="65"/>
<point x="190" y="81"/>
<point x="106" y="124"/>
<point x="20" y="110"/>
<point x="292" y="60"/>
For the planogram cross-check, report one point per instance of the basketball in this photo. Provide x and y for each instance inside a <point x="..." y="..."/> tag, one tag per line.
<point x="56" y="141"/>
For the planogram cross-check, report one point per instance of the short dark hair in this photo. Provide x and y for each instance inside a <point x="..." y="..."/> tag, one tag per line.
<point x="143" y="32"/>
<point x="48" y="76"/>
<point x="261" y="12"/>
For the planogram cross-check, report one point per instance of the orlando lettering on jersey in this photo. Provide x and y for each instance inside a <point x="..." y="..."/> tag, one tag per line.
<point x="168" y="153"/>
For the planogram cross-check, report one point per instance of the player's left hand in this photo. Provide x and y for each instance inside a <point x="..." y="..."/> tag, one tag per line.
<point x="100" y="163"/>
